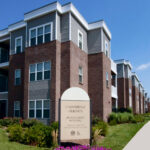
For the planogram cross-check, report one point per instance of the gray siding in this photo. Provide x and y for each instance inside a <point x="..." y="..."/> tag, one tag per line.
<point x="3" y="96"/>
<point x="40" y="21"/>
<point x="58" y="27"/>
<point x="15" y="34"/>
<point x="39" y="90"/>
<point x="65" y="28"/>
<point x="75" y="27"/>
<point x="120" y="71"/>
<point x="94" y="41"/>
<point x="135" y="82"/>
<point x="105" y="38"/>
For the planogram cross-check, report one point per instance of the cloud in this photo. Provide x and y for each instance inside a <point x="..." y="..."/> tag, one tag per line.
<point x="143" y="66"/>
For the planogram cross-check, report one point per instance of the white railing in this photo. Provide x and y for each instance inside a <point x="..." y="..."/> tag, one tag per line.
<point x="114" y="92"/>
<point x="113" y="67"/>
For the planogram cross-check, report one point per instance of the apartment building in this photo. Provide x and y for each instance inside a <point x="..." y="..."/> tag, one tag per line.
<point x="124" y="82"/>
<point x="135" y="93"/>
<point x="54" y="48"/>
<point x="141" y="98"/>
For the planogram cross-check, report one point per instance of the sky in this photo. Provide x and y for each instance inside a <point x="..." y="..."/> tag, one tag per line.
<point x="128" y="21"/>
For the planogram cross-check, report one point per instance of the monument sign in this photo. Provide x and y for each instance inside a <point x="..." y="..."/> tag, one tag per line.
<point x="75" y="126"/>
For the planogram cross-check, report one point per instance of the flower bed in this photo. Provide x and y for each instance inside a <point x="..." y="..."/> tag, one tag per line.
<point x="81" y="147"/>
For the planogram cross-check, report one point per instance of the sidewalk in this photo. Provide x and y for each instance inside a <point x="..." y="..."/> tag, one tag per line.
<point x="141" y="141"/>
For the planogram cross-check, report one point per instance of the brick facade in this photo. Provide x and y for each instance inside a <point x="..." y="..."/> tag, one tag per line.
<point x="98" y="65"/>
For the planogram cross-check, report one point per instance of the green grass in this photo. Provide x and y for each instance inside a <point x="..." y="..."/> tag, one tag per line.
<point x="5" y="144"/>
<point x="119" y="135"/>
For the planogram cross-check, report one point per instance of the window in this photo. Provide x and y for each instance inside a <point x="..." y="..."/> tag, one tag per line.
<point x="39" y="109"/>
<point x="17" y="109"/>
<point x="47" y="70"/>
<point x="46" y="109"/>
<point x="33" y="37"/>
<point x="18" y="45"/>
<point x="32" y="72"/>
<point x="17" y="77"/>
<point x="107" y="80"/>
<point x="47" y="35"/>
<point x="41" y="34"/>
<point x="40" y="71"/>
<point x="80" y="40"/>
<point x="31" y="109"/>
<point x="106" y="49"/>
<point x="80" y="75"/>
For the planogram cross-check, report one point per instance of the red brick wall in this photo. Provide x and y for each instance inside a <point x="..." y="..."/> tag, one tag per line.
<point x="121" y="93"/>
<point x="98" y="65"/>
<point x="15" y="93"/>
<point x="45" y="52"/>
<point x="135" y="93"/>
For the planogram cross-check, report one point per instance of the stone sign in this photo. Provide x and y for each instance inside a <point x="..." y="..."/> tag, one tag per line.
<point x="75" y="126"/>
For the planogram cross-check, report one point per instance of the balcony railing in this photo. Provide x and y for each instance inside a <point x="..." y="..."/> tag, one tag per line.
<point x="114" y="92"/>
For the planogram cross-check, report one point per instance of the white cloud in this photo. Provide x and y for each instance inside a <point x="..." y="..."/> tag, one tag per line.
<point x="143" y="66"/>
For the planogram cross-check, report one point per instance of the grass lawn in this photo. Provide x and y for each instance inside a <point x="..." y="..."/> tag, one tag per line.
<point x="5" y="144"/>
<point x="119" y="135"/>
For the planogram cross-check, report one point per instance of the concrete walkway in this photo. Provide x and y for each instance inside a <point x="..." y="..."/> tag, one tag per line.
<point x="141" y="141"/>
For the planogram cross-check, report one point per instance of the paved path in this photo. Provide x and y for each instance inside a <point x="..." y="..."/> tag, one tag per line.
<point x="141" y="141"/>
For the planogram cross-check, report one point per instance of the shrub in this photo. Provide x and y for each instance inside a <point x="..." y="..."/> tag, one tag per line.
<point x="55" y="126"/>
<point x="95" y="120"/>
<point x="39" y="135"/>
<point x="30" y="122"/>
<point x="139" y="118"/>
<point x="15" y="133"/>
<point x="122" y="110"/>
<point x="99" y="126"/>
<point x="118" y="118"/>
<point x="9" y="121"/>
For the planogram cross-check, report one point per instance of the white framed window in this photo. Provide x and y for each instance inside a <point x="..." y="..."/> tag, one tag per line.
<point x="106" y="49"/>
<point x="17" y="76"/>
<point x="40" y="34"/>
<point x="17" y="109"/>
<point x="39" y="108"/>
<point x="80" y="39"/>
<point x="80" y="74"/>
<point x="40" y="71"/>
<point x="107" y="79"/>
<point x="18" y="45"/>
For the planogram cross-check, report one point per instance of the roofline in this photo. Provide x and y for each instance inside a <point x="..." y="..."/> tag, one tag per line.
<point x="62" y="9"/>
<point x="123" y="61"/>
<point x="134" y="74"/>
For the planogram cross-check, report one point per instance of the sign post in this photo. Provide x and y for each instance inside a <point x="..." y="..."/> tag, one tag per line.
<point x="75" y="120"/>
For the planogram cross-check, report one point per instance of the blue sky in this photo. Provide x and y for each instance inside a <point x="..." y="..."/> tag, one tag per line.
<point x="128" y="21"/>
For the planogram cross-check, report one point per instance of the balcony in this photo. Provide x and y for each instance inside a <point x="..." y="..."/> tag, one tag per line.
<point x="114" y="92"/>
<point x="4" y="58"/>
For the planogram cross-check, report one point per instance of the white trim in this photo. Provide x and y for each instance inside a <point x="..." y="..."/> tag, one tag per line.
<point x="5" y="64"/>
<point x="61" y="9"/>
<point x="42" y="109"/>
<point x="70" y="26"/>
<point x="122" y="61"/>
<point x="5" y="39"/>
<point x="79" y="32"/>
<point x="16" y="26"/>
<point x="18" y="38"/>
<point x="4" y="92"/>
<point x="56" y="27"/>
<point x="80" y="74"/>
<point x="36" y="28"/>
<point x="43" y="70"/>
<point x="4" y="32"/>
